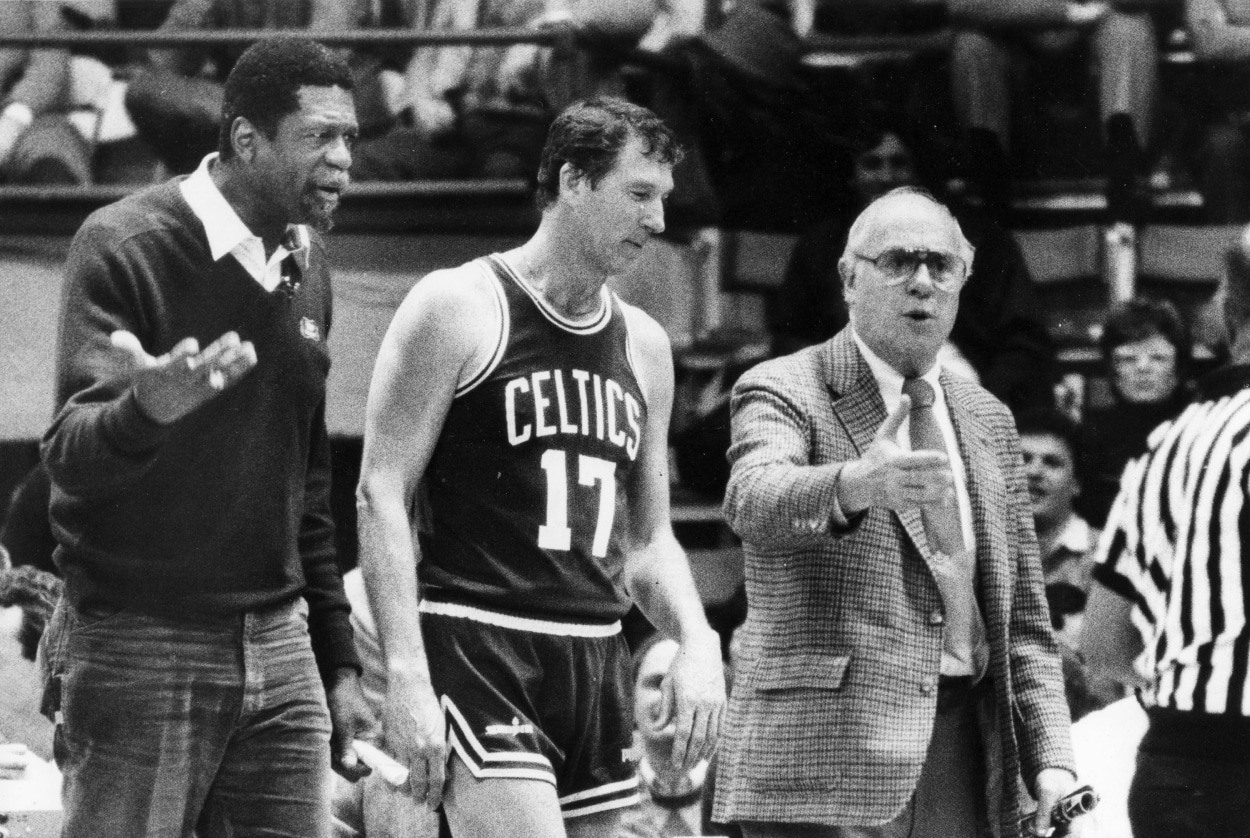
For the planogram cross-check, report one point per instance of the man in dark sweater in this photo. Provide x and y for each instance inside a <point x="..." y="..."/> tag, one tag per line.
<point x="204" y="608"/>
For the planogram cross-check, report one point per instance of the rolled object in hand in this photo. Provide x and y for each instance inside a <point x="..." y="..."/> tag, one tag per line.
<point x="386" y="766"/>
<point x="1072" y="805"/>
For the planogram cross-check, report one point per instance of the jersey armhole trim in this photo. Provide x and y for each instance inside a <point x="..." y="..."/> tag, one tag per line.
<point x="627" y="316"/>
<point x="503" y="327"/>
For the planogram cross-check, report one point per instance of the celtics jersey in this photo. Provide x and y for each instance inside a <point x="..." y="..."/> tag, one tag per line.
<point x="526" y="486"/>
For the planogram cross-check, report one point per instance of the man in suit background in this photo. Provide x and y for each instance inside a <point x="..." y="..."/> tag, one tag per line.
<point x="898" y="674"/>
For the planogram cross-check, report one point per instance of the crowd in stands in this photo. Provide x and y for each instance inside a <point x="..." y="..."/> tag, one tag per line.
<point x="777" y="144"/>
<point x="1019" y="90"/>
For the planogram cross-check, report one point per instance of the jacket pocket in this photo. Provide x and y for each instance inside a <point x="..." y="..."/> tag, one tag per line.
<point x="795" y="714"/>
<point x="809" y="669"/>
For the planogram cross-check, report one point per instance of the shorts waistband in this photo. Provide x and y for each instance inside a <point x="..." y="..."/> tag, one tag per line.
<point x="518" y="623"/>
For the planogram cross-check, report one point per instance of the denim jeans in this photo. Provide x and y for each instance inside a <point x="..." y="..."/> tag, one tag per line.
<point x="169" y="726"/>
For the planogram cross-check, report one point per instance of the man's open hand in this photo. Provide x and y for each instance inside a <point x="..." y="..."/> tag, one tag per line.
<point x="172" y="385"/>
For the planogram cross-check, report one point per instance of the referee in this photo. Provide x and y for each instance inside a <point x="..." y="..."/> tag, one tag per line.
<point x="1173" y="551"/>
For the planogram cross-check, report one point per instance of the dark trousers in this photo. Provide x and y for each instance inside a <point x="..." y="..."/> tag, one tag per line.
<point x="1193" y="777"/>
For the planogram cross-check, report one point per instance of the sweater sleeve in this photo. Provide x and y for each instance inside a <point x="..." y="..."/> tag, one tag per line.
<point x="100" y="440"/>
<point x="329" y="624"/>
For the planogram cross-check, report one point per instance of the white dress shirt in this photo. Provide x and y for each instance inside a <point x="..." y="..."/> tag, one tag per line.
<point x="890" y="385"/>
<point x="228" y="235"/>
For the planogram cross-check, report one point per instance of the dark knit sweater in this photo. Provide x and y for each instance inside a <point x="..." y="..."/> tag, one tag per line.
<point x="226" y="509"/>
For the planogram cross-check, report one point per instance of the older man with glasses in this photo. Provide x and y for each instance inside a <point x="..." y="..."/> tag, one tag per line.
<point x="898" y="674"/>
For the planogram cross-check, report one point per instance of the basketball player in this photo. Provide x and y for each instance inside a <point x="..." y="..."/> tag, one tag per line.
<point x="533" y="405"/>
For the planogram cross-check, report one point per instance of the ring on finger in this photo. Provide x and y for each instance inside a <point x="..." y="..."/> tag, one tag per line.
<point x="216" y="379"/>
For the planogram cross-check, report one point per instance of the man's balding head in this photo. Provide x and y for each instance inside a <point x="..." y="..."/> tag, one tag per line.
<point x="904" y="317"/>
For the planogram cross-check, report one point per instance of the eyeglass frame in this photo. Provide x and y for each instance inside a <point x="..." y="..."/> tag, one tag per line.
<point x="938" y="283"/>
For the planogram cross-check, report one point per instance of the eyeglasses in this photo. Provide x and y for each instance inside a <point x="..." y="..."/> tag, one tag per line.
<point x="900" y="264"/>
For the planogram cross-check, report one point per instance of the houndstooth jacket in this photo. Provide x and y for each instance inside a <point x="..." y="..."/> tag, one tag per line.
<point x="834" y="694"/>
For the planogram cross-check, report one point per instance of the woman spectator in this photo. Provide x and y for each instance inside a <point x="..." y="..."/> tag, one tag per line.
<point x="1146" y="346"/>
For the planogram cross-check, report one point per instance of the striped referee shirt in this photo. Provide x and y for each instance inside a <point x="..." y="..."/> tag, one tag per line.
<point x="1173" y="546"/>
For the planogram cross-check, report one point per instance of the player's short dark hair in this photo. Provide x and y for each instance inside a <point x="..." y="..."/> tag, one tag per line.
<point x="589" y="135"/>
<point x="1050" y="422"/>
<point x="1141" y="318"/>
<point x="264" y="85"/>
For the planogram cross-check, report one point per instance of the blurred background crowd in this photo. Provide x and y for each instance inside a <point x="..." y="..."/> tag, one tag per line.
<point x="1119" y="113"/>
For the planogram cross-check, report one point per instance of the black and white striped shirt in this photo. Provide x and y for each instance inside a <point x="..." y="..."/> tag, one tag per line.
<point x="1174" y="546"/>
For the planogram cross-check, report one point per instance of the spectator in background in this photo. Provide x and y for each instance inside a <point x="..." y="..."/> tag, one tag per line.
<point x="1220" y="31"/>
<point x="996" y="332"/>
<point x="38" y="141"/>
<point x="671" y="804"/>
<point x="998" y="39"/>
<point x="25" y="736"/>
<point x="1145" y="344"/>
<point x="483" y="111"/>
<point x="1066" y="542"/>
<point x="26" y="537"/>
<point x="1067" y="616"/>
<point x="175" y="101"/>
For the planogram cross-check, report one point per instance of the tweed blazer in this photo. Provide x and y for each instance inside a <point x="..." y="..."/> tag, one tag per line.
<point x="835" y="691"/>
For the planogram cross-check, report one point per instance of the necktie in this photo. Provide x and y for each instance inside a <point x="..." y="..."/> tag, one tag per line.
<point x="953" y="564"/>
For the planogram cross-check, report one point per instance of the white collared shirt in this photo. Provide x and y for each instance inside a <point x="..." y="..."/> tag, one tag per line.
<point x="890" y="385"/>
<point x="1077" y="536"/>
<point x="227" y="234"/>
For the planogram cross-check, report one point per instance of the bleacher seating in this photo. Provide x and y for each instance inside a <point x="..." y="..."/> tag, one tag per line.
<point x="1056" y="219"/>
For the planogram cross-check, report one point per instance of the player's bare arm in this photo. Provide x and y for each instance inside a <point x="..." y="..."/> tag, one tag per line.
<point x="657" y="573"/>
<point x="434" y="337"/>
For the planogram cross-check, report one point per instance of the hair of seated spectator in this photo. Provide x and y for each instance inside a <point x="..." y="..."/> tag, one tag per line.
<point x="1050" y="422"/>
<point x="871" y="128"/>
<point x="589" y="135"/>
<point x="1141" y="318"/>
<point x="264" y="85"/>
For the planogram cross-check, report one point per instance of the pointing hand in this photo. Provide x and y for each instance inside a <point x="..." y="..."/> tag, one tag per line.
<point x="889" y="476"/>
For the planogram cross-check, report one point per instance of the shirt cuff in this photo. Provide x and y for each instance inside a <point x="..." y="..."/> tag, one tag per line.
<point x="336" y="647"/>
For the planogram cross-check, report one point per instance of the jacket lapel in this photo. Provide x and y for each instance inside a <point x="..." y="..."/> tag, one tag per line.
<point x="987" y="492"/>
<point x="858" y="405"/>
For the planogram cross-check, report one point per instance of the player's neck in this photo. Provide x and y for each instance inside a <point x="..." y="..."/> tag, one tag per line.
<point x="553" y="270"/>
